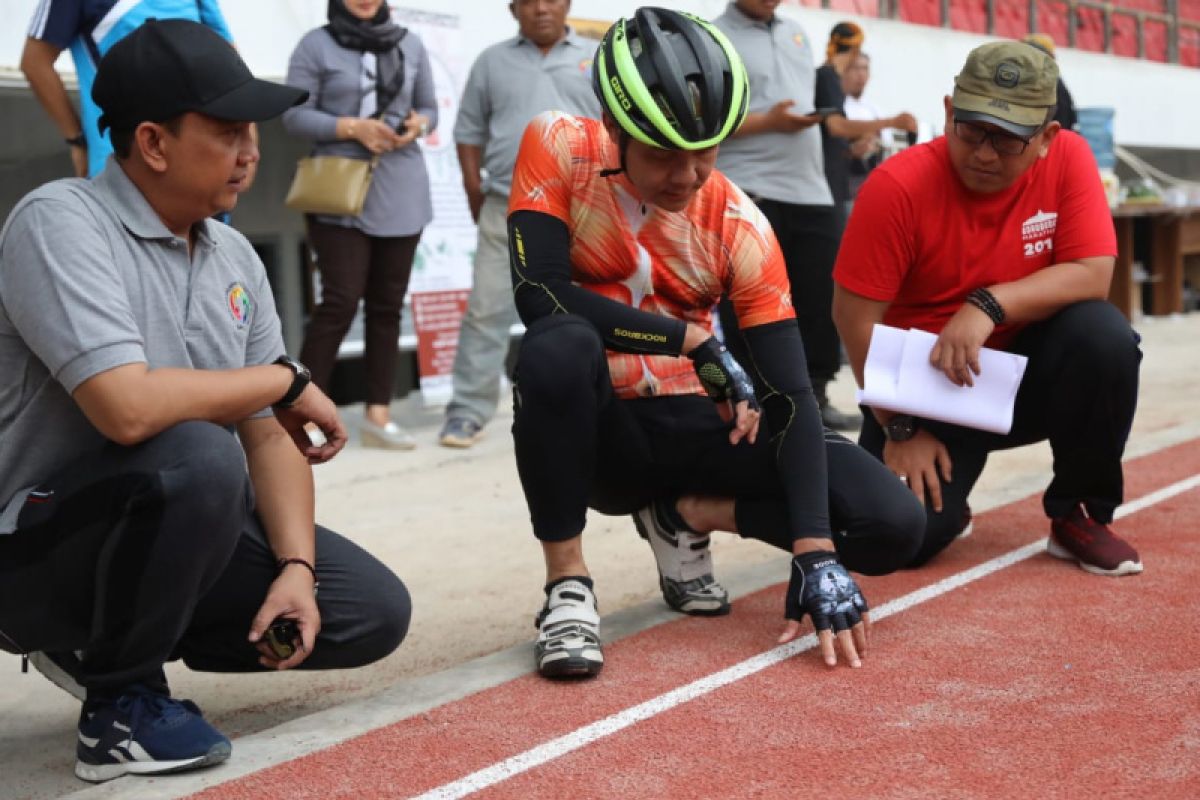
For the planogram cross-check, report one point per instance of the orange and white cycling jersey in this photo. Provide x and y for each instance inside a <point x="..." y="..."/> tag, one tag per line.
<point x="677" y="264"/>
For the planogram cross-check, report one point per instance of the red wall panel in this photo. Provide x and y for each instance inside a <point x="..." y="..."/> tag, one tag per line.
<point x="1052" y="20"/>
<point x="1155" y="34"/>
<point x="860" y="8"/>
<point x="968" y="15"/>
<point x="1189" y="47"/>
<point x="1012" y="18"/>
<point x="1089" y="33"/>
<point x="924" y="12"/>
<point x="1124" y="35"/>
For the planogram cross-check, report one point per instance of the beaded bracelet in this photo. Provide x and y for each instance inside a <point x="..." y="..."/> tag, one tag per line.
<point x="282" y="564"/>
<point x="986" y="302"/>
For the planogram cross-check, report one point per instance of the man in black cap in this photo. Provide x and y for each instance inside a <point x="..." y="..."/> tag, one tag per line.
<point x="141" y="337"/>
<point x="999" y="234"/>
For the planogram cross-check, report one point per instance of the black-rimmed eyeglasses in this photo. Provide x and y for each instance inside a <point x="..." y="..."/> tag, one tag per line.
<point x="1005" y="144"/>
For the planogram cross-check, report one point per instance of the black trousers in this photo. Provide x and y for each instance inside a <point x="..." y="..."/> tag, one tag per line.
<point x="809" y="237"/>
<point x="138" y="555"/>
<point x="357" y="267"/>
<point x="1079" y="392"/>
<point x="579" y="446"/>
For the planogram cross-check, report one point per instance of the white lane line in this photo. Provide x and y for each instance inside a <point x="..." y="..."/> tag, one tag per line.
<point x="522" y="762"/>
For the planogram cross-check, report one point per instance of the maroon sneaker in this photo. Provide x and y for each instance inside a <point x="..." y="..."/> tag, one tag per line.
<point x="1077" y="537"/>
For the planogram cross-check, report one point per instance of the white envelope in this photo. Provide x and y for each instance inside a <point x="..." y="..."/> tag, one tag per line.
<point x="898" y="377"/>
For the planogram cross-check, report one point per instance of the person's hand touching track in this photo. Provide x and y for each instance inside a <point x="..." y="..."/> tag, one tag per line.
<point x="821" y="588"/>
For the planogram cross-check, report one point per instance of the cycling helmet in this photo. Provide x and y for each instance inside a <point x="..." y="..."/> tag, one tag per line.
<point x="670" y="80"/>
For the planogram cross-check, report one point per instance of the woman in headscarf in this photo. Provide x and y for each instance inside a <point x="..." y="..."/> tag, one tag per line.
<point x="371" y="94"/>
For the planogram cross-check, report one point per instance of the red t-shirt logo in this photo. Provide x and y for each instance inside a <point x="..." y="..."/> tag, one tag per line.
<point x="1037" y="233"/>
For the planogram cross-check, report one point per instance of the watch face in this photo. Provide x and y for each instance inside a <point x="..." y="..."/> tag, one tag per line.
<point x="901" y="428"/>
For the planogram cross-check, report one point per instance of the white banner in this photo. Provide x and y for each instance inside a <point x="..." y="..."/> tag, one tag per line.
<point x="441" y="276"/>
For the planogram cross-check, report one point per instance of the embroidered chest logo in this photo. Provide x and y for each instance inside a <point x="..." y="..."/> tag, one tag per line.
<point x="240" y="306"/>
<point x="1037" y="233"/>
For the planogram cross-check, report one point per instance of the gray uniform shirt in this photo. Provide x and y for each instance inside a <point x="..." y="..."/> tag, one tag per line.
<point x="398" y="202"/>
<point x="91" y="279"/>
<point x="511" y="83"/>
<point x="788" y="167"/>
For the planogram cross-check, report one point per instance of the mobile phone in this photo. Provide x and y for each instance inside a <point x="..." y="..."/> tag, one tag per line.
<point x="281" y="637"/>
<point x="827" y="111"/>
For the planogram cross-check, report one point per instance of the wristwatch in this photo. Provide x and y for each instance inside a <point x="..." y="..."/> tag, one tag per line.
<point x="900" y="428"/>
<point x="299" y="383"/>
<point x="77" y="141"/>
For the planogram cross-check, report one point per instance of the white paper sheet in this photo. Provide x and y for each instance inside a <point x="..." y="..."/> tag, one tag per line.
<point x="898" y="377"/>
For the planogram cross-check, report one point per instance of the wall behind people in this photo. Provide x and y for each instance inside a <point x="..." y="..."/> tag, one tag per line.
<point x="918" y="57"/>
<point x="267" y="30"/>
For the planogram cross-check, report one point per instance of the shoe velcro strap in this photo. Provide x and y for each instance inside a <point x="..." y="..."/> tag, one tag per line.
<point x="570" y="601"/>
<point x="569" y="635"/>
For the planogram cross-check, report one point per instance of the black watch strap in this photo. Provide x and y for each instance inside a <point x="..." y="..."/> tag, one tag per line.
<point x="78" y="141"/>
<point x="300" y="380"/>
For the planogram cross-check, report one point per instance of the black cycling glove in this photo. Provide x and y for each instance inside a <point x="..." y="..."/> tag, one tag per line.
<point x="821" y="586"/>
<point x="720" y="374"/>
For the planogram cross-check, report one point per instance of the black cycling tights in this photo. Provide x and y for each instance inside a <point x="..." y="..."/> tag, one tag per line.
<point x="578" y="446"/>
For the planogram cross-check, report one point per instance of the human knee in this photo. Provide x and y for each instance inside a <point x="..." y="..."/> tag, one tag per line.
<point x="394" y="611"/>
<point x="1098" y="338"/>
<point x="558" y="354"/>
<point x="205" y="465"/>
<point x="940" y="531"/>
<point x="899" y="528"/>
<point x="386" y="614"/>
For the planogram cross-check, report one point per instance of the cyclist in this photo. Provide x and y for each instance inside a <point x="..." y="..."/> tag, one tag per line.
<point x="622" y="238"/>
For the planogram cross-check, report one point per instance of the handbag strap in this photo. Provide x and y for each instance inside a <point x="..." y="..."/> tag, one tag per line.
<point x="384" y="95"/>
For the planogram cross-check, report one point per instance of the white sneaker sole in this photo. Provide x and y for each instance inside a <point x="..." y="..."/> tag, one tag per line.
<point x="1124" y="568"/>
<point x="98" y="773"/>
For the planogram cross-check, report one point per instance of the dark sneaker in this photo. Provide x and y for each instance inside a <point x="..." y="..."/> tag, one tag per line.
<point x="839" y="420"/>
<point x="1077" y="537"/>
<point x="685" y="570"/>
<point x="968" y="523"/>
<point x="460" y="432"/>
<point x="568" y="643"/>
<point x="61" y="669"/>
<point x="145" y="733"/>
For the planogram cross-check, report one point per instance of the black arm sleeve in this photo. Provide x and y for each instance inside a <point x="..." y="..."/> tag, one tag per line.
<point x="539" y="247"/>
<point x="794" y="422"/>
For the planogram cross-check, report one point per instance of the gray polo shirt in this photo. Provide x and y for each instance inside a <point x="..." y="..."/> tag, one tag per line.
<point x="787" y="167"/>
<point x="91" y="279"/>
<point x="511" y="83"/>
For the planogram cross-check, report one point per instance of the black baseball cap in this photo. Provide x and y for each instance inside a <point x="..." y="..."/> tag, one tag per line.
<point x="168" y="67"/>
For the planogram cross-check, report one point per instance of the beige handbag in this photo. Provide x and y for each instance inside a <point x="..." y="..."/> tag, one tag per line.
<point x="331" y="185"/>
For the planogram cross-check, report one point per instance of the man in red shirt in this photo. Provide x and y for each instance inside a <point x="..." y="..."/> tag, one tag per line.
<point x="999" y="234"/>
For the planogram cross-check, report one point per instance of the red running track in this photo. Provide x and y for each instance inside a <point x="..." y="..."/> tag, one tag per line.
<point x="1037" y="678"/>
